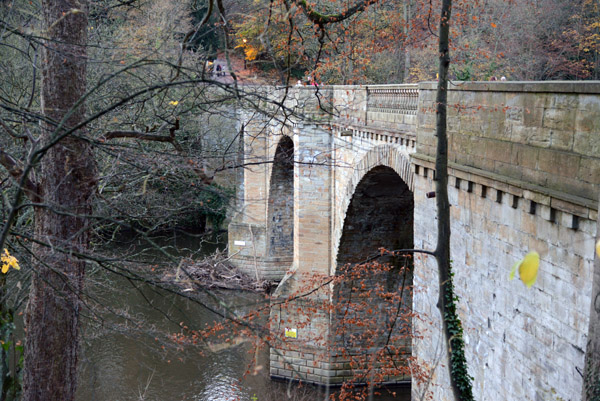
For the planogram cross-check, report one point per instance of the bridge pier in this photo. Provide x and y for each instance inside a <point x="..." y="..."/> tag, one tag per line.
<point x="281" y="231"/>
<point x="253" y="245"/>
<point x="307" y="356"/>
<point x="325" y="329"/>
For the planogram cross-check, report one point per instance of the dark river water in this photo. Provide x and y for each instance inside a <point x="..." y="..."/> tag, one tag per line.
<point x="127" y="361"/>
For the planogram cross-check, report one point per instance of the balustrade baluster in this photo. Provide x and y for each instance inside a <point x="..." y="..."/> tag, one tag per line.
<point x="403" y="100"/>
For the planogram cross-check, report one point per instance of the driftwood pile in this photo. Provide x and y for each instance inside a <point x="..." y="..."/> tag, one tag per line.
<point x="214" y="271"/>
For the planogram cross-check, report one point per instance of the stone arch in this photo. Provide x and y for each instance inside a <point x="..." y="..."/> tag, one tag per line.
<point x="280" y="213"/>
<point x="379" y="213"/>
<point x="384" y="155"/>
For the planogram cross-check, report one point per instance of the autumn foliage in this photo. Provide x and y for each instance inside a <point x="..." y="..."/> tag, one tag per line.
<point x="396" y="42"/>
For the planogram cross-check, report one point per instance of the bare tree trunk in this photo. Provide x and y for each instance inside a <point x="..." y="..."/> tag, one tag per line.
<point x="591" y="375"/>
<point x="457" y="366"/>
<point x="66" y="185"/>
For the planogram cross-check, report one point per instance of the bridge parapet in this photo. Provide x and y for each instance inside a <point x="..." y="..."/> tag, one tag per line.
<point x="538" y="140"/>
<point x="397" y="99"/>
<point x="379" y="107"/>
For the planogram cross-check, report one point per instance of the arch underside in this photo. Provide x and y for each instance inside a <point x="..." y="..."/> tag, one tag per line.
<point x="373" y="301"/>
<point x="281" y="201"/>
<point x="379" y="156"/>
<point x="380" y="214"/>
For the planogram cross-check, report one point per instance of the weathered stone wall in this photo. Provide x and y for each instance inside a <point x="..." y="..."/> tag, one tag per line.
<point x="545" y="133"/>
<point x="521" y="180"/>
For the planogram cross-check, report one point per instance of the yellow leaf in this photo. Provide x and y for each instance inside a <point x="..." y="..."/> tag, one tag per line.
<point x="173" y="102"/>
<point x="9" y="261"/>
<point x="528" y="269"/>
<point x="598" y="248"/>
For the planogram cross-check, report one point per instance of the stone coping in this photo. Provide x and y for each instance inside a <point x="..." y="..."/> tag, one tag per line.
<point x="575" y="87"/>
<point x="582" y="207"/>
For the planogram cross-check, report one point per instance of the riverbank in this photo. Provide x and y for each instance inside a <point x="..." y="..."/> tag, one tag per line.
<point x="214" y="271"/>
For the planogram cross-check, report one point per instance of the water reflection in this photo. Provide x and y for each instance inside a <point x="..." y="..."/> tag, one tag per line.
<point x="129" y="363"/>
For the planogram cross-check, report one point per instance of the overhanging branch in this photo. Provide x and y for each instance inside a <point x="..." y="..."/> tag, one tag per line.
<point x="148" y="137"/>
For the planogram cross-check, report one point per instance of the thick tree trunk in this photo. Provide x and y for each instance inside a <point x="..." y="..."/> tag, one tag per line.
<point x="67" y="183"/>
<point x="591" y="376"/>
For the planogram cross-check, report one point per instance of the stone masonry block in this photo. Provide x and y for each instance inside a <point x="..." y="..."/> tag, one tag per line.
<point x="560" y="119"/>
<point x="587" y="143"/>
<point x="537" y="197"/>
<point x="561" y="140"/>
<point x="589" y="171"/>
<point x="569" y="207"/>
<point x="569" y="220"/>
<point x="547" y="213"/>
<point x="533" y="136"/>
<point x="507" y="169"/>
<point x="559" y="163"/>
<point x="498" y="151"/>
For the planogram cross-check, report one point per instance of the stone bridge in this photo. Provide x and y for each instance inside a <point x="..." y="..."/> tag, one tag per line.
<point x="341" y="171"/>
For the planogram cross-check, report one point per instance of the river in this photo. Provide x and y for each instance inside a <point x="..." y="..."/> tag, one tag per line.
<point x="123" y="361"/>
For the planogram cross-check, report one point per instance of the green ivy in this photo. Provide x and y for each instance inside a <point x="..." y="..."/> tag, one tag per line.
<point x="213" y="202"/>
<point x="592" y="383"/>
<point x="458" y="362"/>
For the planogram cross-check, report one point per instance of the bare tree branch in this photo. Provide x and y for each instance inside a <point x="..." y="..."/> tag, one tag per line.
<point x="15" y="169"/>
<point x="323" y="19"/>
